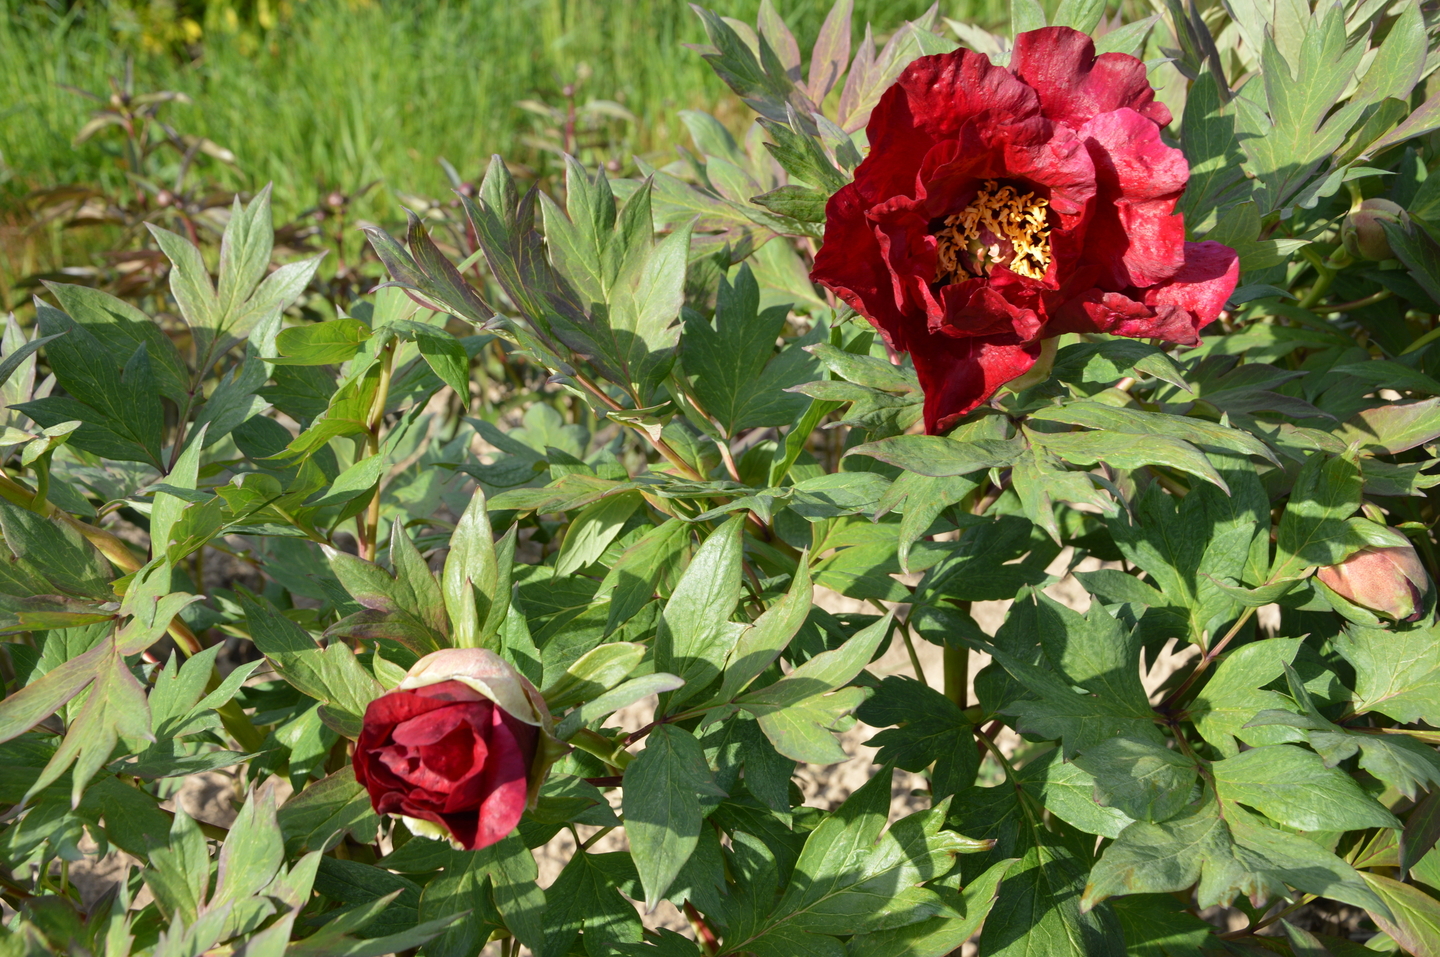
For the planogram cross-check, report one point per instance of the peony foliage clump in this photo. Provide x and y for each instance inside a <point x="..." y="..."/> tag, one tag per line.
<point x="1049" y="418"/>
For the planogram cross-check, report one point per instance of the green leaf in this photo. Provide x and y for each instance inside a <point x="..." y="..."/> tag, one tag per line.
<point x="1227" y="853"/>
<point x="932" y="730"/>
<point x="595" y="672"/>
<point x="115" y="707"/>
<point x="1299" y="127"/>
<point x="694" y="633"/>
<point x="584" y="898"/>
<point x="1039" y="910"/>
<point x="1158" y="926"/>
<point x="1236" y="692"/>
<point x="57" y="551"/>
<point x="1414" y="918"/>
<point x="760" y="644"/>
<point x="797" y="712"/>
<point x="662" y="806"/>
<point x="650" y="565"/>
<point x="121" y="330"/>
<point x="1082" y="15"/>
<point x="1097" y="415"/>
<point x="253" y="851"/>
<point x="321" y="343"/>
<point x="189" y="279"/>
<point x="940" y="935"/>
<point x="1123" y="451"/>
<point x="1314" y="529"/>
<point x="1147" y="781"/>
<point x="939" y="456"/>
<point x="475" y="583"/>
<point x="592" y="531"/>
<point x="447" y="358"/>
<point x="1292" y="785"/>
<point x="852" y="879"/>
<point x="465" y="891"/>
<point x="1397" y="673"/>
<point x="320" y="816"/>
<point x="331" y="676"/>
<point x="734" y="373"/>
<point x="166" y="510"/>
<point x="626" y="693"/>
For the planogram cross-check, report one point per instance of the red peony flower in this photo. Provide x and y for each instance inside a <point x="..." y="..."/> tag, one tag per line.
<point x="443" y="754"/>
<point x="998" y="208"/>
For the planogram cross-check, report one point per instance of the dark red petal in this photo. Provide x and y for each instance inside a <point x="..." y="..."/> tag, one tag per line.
<point x="1175" y="310"/>
<point x="454" y="756"/>
<point x="1057" y="161"/>
<point x="434" y="725"/>
<point x="931" y="100"/>
<point x="850" y="263"/>
<point x="902" y="231"/>
<point x="449" y="691"/>
<point x="958" y="375"/>
<point x="1135" y="235"/>
<point x="390" y="709"/>
<point x="1003" y="304"/>
<point x="1202" y="286"/>
<point x="1075" y="85"/>
<point x="507" y="773"/>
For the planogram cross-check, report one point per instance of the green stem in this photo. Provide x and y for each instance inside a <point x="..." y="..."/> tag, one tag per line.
<point x="370" y="533"/>
<point x="592" y="742"/>
<point x="957" y="674"/>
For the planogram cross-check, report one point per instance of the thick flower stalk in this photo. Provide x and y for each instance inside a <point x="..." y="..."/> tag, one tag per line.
<point x="999" y="208"/>
<point x="459" y="749"/>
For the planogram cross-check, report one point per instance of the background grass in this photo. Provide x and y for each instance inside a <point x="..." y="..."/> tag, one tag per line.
<point x="342" y="92"/>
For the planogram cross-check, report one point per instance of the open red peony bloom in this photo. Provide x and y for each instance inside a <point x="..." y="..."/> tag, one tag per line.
<point x="1001" y="207"/>
<point x="447" y="757"/>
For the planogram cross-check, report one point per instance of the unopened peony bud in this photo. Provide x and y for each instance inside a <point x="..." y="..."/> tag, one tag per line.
<point x="1389" y="581"/>
<point x="1363" y="232"/>
<point x="459" y="749"/>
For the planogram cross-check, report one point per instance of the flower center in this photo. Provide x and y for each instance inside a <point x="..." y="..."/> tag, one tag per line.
<point x="1000" y="227"/>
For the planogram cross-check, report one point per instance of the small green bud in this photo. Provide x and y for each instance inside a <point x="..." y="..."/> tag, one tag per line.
<point x="1363" y="233"/>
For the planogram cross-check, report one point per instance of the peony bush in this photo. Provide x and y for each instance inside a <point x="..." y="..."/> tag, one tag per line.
<point x="798" y="444"/>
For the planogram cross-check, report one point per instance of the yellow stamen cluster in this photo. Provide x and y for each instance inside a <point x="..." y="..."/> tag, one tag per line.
<point x="968" y="245"/>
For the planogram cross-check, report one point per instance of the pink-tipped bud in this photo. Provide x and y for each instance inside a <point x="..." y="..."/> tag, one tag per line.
<point x="1363" y="232"/>
<point x="459" y="749"/>
<point x="1389" y="581"/>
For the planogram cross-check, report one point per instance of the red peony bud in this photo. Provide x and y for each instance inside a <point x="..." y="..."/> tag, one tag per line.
<point x="1389" y="581"/>
<point x="459" y="749"/>
<point x="1363" y="232"/>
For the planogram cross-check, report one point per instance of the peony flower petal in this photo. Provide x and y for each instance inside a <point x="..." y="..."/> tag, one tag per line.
<point x="931" y="100"/>
<point x="484" y="672"/>
<point x="957" y="375"/>
<point x="505" y="780"/>
<point x="850" y="263"/>
<point x="1202" y="286"/>
<point x="1175" y="310"/>
<point x="1074" y="85"/>
<point x="1135" y="235"/>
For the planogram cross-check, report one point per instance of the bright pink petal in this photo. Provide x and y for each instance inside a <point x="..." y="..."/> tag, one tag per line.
<point x="1075" y="85"/>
